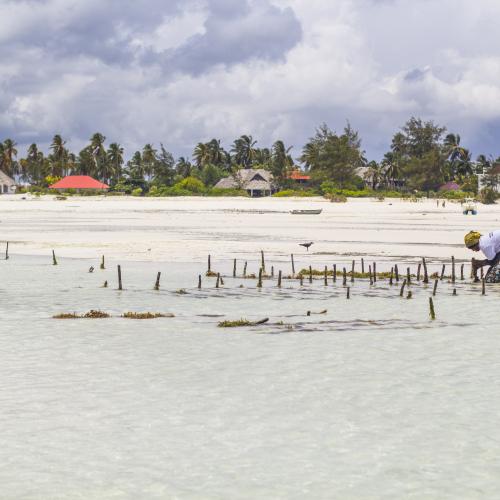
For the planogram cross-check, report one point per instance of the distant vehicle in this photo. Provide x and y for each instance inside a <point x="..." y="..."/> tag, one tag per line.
<point x="306" y="212"/>
<point x="469" y="206"/>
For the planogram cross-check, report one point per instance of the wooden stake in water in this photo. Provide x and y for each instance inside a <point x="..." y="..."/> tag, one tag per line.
<point x="363" y="266"/>
<point x="435" y="288"/>
<point x="454" y="291"/>
<point x="410" y="295"/>
<point x="259" y="283"/>
<point x="293" y="266"/>
<point x="408" y="276"/>
<point x="483" y="286"/>
<point x="245" y="270"/>
<point x="374" y="272"/>
<point x="396" y="272"/>
<point x="199" y="282"/>
<point x="105" y="284"/>
<point x="352" y="271"/>
<point x="370" y="274"/>
<point x="54" y="261"/>
<point x="301" y="280"/>
<point x="310" y="274"/>
<point x="442" y="272"/>
<point x="157" y="283"/>
<point x="263" y="261"/>
<point x="392" y="276"/>
<point x="217" y="283"/>
<point x="431" y="309"/>
<point x="344" y="276"/>
<point x="418" y="271"/>
<point x="453" y="277"/>
<point x="209" y="264"/>
<point x="402" y="288"/>
<point x="348" y="292"/>
<point x="272" y="271"/>
<point x="234" y="268"/>
<point x="102" y="263"/>
<point x="279" y="278"/>
<point x="120" y="278"/>
<point x="426" y="275"/>
<point x="334" y="273"/>
<point x="326" y="276"/>
<point x="462" y="277"/>
<point x="7" y="251"/>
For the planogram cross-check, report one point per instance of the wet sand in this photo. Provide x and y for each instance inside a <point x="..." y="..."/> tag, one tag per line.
<point x="187" y="229"/>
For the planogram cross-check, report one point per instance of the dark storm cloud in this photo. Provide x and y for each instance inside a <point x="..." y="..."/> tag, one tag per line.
<point x="234" y="33"/>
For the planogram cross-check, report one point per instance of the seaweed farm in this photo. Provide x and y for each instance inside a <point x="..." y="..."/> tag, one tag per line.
<point x="368" y="386"/>
<point x="201" y="383"/>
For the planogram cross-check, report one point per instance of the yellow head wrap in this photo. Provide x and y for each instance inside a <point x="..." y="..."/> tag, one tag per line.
<point x="472" y="239"/>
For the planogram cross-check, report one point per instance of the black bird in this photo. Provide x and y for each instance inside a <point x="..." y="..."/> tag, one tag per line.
<point x="306" y="245"/>
<point x="91" y="270"/>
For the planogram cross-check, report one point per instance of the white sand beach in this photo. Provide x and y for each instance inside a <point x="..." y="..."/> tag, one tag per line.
<point x="187" y="229"/>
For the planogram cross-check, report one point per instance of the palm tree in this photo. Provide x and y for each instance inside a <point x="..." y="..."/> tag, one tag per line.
<point x="374" y="174"/>
<point x="282" y="162"/>
<point x="58" y="156"/>
<point x="9" y="154"/>
<point x="243" y="151"/>
<point x="100" y="156"/>
<point x="149" y="159"/>
<point x="135" y="168"/>
<point x="310" y="154"/>
<point x="456" y="154"/>
<point x="183" y="167"/>
<point x="115" y="160"/>
<point x="202" y="155"/>
<point x="217" y="154"/>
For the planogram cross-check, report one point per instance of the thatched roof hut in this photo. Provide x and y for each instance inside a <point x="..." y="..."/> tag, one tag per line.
<point x="258" y="182"/>
<point x="7" y="184"/>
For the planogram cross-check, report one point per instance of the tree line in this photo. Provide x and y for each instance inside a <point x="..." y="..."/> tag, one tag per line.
<point x="422" y="156"/>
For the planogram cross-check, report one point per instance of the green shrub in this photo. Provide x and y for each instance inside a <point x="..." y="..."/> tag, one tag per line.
<point x="192" y="185"/>
<point x="137" y="192"/>
<point x="227" y="192"/>
<point x="455" y="195"/>
<point x="488" y="196"/>
<point x="302" y="193"/>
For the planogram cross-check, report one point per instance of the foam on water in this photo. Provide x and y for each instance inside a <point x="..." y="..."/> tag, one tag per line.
<point x="370" y="400"/>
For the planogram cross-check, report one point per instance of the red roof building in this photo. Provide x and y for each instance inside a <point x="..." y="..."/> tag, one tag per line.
<point x="299" y="176"/>
<point x="79" y="182"/>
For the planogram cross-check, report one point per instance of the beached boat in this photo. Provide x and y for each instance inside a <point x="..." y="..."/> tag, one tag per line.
<point x="306" y="212"/>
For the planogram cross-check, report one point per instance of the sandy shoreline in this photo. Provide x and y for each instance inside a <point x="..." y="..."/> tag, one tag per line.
<point x="187" y="229"/>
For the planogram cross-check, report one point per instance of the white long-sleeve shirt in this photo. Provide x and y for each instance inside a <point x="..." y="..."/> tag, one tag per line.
<point x="489" y="244"/>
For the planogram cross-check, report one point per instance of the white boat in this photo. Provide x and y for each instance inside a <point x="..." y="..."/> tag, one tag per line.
<point x="306" y="212"/>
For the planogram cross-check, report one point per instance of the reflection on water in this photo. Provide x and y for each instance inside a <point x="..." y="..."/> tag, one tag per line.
<point x="371" y="399"/>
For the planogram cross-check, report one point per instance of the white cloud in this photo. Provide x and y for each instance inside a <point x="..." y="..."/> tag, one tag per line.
<point x="375" y="63"/>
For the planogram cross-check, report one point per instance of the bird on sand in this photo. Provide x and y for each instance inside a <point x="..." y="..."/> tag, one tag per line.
<point x="91" y="269"/>
<point x="306" y="245"/>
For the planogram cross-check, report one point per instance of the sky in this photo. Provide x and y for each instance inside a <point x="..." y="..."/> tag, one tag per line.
<point x="179" y="72"/>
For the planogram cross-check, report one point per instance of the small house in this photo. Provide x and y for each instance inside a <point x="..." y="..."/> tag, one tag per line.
<point x="256" y="183"/>
<point x="7" y="184"/>
<point x="299" y="177"/>
<point x="79" y="182"/>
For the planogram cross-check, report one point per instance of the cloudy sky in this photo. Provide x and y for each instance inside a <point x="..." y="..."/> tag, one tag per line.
<point x="184" y="71"/>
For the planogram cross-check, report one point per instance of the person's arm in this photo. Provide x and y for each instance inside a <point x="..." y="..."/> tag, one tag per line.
<point x="478" y="264"/>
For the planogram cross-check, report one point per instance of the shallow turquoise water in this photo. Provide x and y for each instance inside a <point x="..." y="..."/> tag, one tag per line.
<point x="370" y="400"/>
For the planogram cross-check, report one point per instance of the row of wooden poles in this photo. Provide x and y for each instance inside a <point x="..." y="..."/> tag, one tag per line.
<point x="372" y="272"/>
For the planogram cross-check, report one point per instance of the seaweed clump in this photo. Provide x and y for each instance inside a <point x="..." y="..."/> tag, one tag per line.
<point x="241" y="322"/>
<point x="146" y="315"/>
<point x="92" y="314"/>
<point x="66" y="316"/>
